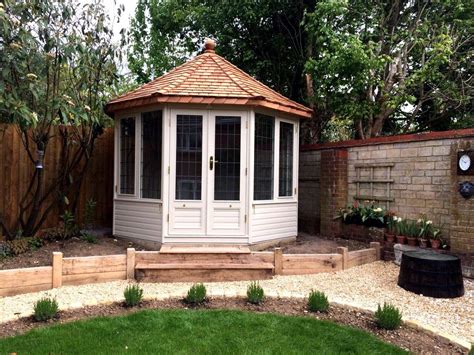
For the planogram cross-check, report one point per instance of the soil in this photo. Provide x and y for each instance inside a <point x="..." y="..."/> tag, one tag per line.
<point x="413" y="340"/>
<point x="315" y="244"/>
<point x="72" y="247"/>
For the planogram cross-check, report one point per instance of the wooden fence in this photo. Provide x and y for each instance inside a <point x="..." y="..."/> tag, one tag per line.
<point x="16" y="170"/>
<point x="93" y="269"/>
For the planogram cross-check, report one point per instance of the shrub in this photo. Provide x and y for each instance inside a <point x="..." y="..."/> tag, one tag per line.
<point x="45" y="309"/>
<point x="133" y="295"/>
<point x="89" y="213"/>
<point x="255" y="293"/>
<point x="196" y="294"/>
<point x="388" y="317"/>
<point x="89" y="238"/>
<point x="318" y="302"/>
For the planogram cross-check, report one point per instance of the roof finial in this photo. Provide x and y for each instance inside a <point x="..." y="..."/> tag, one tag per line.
<point x="209" y="45"/>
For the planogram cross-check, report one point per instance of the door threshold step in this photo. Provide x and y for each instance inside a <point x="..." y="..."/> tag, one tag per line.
<point x="188" y="249"/>
<point x="211" y="266"/>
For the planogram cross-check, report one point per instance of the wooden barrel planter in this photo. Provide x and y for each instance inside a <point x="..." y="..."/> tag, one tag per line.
<point x="431" y="274"/>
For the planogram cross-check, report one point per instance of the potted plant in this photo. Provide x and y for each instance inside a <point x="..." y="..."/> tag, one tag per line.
<point x="391" y="227"/>
<point x="401" y="228"/>
<point x="412" y="233"/>
<point x="435" y="238"/>
<point x="424" y="231"/>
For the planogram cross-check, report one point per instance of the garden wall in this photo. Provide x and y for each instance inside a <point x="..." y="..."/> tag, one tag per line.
<point x="409" y="174"/>
<point x="16" y="170"/>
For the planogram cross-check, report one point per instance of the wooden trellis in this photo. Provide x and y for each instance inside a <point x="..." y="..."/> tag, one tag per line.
<point x="372" y="180"/>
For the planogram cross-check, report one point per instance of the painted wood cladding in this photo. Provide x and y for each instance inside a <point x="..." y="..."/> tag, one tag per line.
<point x="138" y="219"/>
<point x="273" y="221"/>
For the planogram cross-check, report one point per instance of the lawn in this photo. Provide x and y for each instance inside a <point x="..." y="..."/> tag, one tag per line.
<point x="197" y="331"/>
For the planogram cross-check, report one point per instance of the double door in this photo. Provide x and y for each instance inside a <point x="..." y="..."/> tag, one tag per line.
<point x="207" y="173"/>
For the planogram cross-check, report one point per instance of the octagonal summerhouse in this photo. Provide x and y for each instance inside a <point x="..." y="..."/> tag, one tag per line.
<point x="206" y="154"/>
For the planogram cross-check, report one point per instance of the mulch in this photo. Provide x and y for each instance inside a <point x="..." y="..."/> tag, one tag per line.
<point x="408" y="338"/>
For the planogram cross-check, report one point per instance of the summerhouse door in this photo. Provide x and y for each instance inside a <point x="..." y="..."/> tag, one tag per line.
<point x="207" y="173"/>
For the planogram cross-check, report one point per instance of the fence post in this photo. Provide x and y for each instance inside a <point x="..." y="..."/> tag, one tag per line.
<point x="57" y="269"/>
<point x="376" y="246"/>
<point x="345" y="256"/>
<point x="130" y="263"/>
<point x="278" y="260"/>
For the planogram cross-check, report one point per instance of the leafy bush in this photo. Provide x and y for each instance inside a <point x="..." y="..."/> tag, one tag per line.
<point x="35" y="243"/>
<point x="18" y="246"/>
<point x="196" y="294"/>
<point x="89" y="238"/>
<point x="255" y="294"/>
<point x="45" y="309"/>
<point x="89" y="213"/>
<point x="368" y="215"/>
<point x="388" y="317"/>
<point x="318" y="302"/>
<point x="133" y="295"/>
<point x="69" y="227"/>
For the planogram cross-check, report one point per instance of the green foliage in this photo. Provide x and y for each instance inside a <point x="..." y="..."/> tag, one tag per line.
<point x="17" y="246"/>
<point x="412" y="229"/>
<point x="69" y="227"/>
<point x="89" y="238"/>
<point x="366" y="214"/>
<point x="425" y="227"/>
<point x="89" y="213"/>
<point x="196" y="295"/>
<point x="318" y="302"/>
<point x="45" y="309"/>
<point x="255" y="293"/>
<point x="388" y="317"/>
<point x="133" y="295"/>
<point x="197" y="332"/>
<point x="35" y="243"/>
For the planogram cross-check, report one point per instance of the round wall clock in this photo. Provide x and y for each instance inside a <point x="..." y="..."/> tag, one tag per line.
<point x="464" y="162"/>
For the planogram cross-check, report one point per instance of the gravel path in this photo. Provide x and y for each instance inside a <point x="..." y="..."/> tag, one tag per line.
<point x="364" y="286"/>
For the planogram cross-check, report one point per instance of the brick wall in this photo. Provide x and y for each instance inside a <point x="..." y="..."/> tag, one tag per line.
<point x="415" y="174"/>
<point x="333" y="188"/>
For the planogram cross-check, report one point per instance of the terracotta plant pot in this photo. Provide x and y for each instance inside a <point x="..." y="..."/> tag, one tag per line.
<point x="411" y="241"/>
<point x="401" y="239"/>
<point x="435" y="243"/>
<point x="423" y="243"/>
<point x="390" y="237"/>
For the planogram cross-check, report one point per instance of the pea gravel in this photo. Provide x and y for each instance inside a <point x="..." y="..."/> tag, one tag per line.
<point x="364" y="287"/>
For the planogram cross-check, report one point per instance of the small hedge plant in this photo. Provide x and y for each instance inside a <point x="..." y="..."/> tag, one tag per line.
<point x="196" y="295"/>
<point x="133" y="295"/>
<point x="388" y="317"/>
<point x="255" y="294"/>
<point x="45" y="309"/>
<point x="318" y="302"/>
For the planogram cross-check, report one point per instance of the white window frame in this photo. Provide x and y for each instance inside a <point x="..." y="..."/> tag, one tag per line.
<point x="295" y="146"/>
<point x="119" y="161"/>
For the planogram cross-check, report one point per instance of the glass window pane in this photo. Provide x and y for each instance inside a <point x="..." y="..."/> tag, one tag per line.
<point x="127" y="156"/>
<point x="285" y="183"/>
<point x="263" y="166"/>
<point x="188" y="157"/>
<point x="151" y="154"/>
<point x="227" y="156"/>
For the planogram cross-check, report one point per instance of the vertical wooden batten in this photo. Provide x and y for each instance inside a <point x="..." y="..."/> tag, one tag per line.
<point x="345" y="256"/>
<point x="57" y="269"/>
<point x="130" y="263"/>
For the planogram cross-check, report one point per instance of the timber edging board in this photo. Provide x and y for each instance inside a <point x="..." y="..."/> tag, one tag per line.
<point x="93" y="269"/>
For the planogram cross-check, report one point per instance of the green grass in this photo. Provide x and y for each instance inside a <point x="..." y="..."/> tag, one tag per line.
<point x="197" y="332"/>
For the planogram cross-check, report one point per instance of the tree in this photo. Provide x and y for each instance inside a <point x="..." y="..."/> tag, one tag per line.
<point x="393" y="66"/>
<point x="386" y="67"/>
<point x="58" y="62"/>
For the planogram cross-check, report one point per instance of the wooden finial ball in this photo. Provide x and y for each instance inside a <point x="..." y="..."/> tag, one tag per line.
<point x="209" y="44"/>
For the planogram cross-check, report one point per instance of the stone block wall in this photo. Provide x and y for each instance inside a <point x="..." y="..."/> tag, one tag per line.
<point x="410" y="174"/>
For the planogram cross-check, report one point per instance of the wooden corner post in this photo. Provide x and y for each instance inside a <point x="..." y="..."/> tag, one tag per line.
<point x="345" y="256"/>
<point x="278" y="254"/>
<point x="376" y="246"/>
<point x="130" y="263"/>
<point x="57" y="269"/>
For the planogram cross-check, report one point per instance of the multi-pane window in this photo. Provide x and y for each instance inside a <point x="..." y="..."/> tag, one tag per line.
<point x="263" y="166"/>
<point x="285" y="183"/>
<point x="127" y="156"/>
<point x="188" y="157"/>
<point x="151" y="154"/>
<point x="227" y="157"/>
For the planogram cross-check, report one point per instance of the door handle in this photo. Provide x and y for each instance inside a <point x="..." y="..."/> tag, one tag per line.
<point x="212" y="162"/>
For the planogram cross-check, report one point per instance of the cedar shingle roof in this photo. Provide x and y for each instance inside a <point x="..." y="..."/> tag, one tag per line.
<point x="207" y="79"/>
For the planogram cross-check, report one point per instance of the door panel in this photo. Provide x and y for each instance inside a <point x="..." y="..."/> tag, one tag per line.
<point x="188" y="173"/>
<point x="226" y="206"/>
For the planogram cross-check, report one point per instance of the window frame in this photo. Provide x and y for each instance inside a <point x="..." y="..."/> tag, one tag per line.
<point x="137" y="196"/>
<point x="274" y="156"/>
<point x="140" y="162"/>
<point x="119" y="157"/>
<point x="276" y="160"/>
